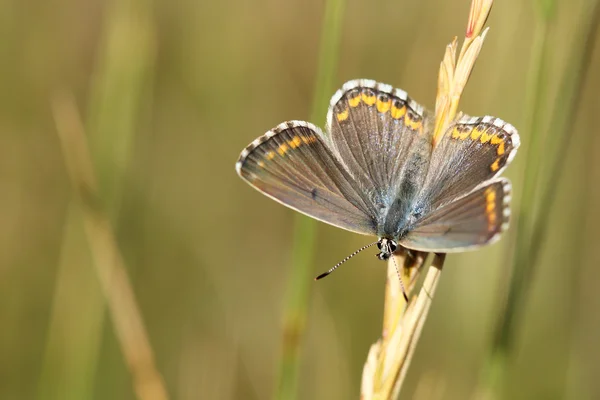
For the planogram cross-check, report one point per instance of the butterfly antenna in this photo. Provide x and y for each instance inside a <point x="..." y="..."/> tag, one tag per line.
<point x="400" y="279"/>
<point x="324" y="274"/>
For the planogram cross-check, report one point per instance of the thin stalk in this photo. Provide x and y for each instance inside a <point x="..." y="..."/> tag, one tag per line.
<point x="74" y="325"/>
<point x="576" y="314"/>
<point x="389" y="359"/>
<point x="422" y="306"/>
<point x="576" y="74"/>
<point x="521" y="260"/>
<point x="495" y="371"/>
<point x="124" y="61"/>
<point x="570" y="95"/>
<point x="304" y="228"/>
<point x="107" y="259"/>
<point x="119" y="90"/>
<point x="528" y="251"/>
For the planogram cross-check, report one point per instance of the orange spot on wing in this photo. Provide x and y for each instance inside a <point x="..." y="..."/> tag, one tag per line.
<point x="496" y="140"/>
<point x="369" y="100"/>
<point x="342" y="116"/>
<point x="490" y="208"/>
<point x="355" y="101"/>
<point x="270" y="155"/>
<point x="309" y="139"/>
<point x="383" y="106"/>
<point x="485" y="137"/>
<point x="398" y="113"/>
<point x="296" y="140"/>
<point x="476" y="133"/>
<point x="413" y="124"/>
<point x="283" y="149"/>
<point x="501" y="149"/>
<point x="495" y="165"/>
<point x="455" y="133"/>
<point x="466" y="133"/>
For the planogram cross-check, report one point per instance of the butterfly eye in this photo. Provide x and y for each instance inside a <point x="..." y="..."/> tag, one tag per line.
<point x="379" y="245"/>
<point x="392" y="246"/>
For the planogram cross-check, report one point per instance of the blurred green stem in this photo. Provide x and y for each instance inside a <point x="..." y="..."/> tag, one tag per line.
<point x="521" y="265"/>
<point x="107" y="259"/>
<point x="122" y="71"/>
<point x="305" y="228"/>
<point x="536" y="91"/>
<point x="576" y="74"/>
<point x="533" y="226"/>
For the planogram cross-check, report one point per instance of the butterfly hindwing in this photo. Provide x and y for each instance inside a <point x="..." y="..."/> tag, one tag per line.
<point x="471" y="221"/>
<point x="292" y="164"/>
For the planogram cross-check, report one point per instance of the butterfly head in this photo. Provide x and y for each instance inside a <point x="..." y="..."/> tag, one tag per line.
<point x="386" y="248"/>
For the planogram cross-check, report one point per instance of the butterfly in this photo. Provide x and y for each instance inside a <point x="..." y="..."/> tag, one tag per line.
<point x="377" y="171"/>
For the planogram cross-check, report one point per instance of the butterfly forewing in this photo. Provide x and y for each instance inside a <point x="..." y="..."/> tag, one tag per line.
<point x="293" y="165"/>
<point x="472" y="151"/>
<point x="471" y="221"/>
<point x="377" y="131"/>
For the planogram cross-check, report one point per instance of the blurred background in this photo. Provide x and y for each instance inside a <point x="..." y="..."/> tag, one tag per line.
<point x="169" y="93"/>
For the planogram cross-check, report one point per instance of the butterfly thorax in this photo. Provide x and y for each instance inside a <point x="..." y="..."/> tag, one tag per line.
<point x="400" y="210"/>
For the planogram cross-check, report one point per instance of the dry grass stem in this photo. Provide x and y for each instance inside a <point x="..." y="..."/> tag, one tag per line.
<point x="389" y="359"/>
<point x="110" y="268"/>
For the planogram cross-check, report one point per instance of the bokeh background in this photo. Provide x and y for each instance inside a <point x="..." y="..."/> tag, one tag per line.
<point x="169" y="93"/>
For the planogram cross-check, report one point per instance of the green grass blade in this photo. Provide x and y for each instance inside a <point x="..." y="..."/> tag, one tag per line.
<point x="305" y="228"/>
<point x="538" y="85"/>
<point x="574" y="77"/>
<point x="124" y="62"/>
<point x="496" y="368"/>
<point x="533" y="225"/>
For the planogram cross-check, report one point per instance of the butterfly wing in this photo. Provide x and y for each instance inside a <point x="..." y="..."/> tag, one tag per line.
<point x="382" y="136"/>
<point x="461" y="204"/>
<point x="472" y="151"/>
<point x="292" y="164"/>
<point x="468" y="222"/>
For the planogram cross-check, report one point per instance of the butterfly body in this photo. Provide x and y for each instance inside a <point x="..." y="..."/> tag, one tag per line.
<point x="376" y="171"/>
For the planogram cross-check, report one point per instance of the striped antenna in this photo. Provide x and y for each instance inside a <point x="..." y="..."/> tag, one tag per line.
<point x="400" y="279"/>
<point x="324" y="274"/>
